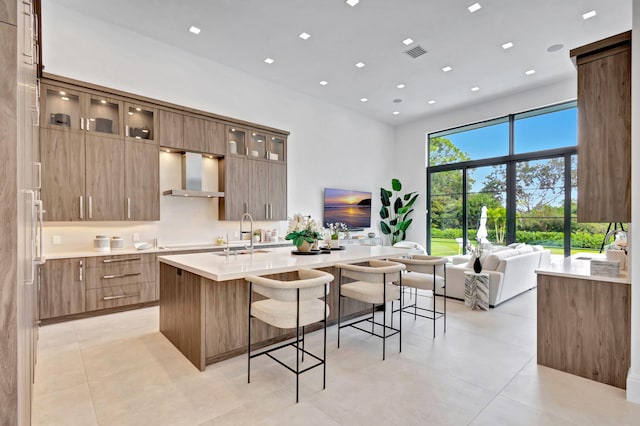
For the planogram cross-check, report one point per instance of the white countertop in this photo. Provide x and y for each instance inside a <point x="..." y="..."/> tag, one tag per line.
<point x="161" y="249"/>
<point x="574" y="267"/>
<point x="277" y="260"/>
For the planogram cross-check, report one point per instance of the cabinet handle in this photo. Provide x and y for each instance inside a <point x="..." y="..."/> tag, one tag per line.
<point x="81" y="123"/>
<point x="81" y="270"/>
<point x="40" y="258"/>
<point x="88" y="125"/>
<point x="126" y="130"/>
<point x="130" y="274"/>
<point x="266" y="211"/>
<point x="38" y="166"/>
<point x="123" y="259"/>
<point x="270" y="211"/>
<point x="32" y="204"/>
<point x="122" y="296"/>
<point x="81" y="207"/>
<point x="90" y="207"/>
<point x="128" y="207"/>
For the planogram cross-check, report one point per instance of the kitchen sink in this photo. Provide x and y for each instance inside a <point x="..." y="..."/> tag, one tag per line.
<point x="236" y="252"/>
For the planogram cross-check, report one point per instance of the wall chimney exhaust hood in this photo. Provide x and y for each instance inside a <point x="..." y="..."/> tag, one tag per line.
<point x="192" y="179"/>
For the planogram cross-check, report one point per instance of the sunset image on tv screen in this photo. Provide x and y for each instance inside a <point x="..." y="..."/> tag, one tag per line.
<point x="352" y="208"/>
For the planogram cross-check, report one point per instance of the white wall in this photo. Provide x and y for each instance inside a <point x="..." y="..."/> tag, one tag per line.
<point x="410" y="139"/>
<point x="329" y="146"/>
<point x="633" y="379"/>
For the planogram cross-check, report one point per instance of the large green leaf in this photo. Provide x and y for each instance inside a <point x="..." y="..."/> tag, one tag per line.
<point x="404" y="225"/>
<point x="384" y="212"/>
<point x="412" y="200"/>
<point x="397" y="205"/>
<point x="385" y="228"/>
<point x="393" y="221"/>
<point x="384" y="197"/>
<point x="396" y="185"/>
<point x="404" y="217"/>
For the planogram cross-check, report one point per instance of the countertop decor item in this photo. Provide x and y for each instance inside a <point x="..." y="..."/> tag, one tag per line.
<point x="101" y="243"/>
<point x="371" y="234"/>
<point x="117" y="243"/>
<point x="395" y="212"/>
<point x="303" y="231"/>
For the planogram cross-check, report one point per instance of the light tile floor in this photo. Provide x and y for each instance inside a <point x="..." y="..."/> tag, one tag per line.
<point x="119" y="370"/>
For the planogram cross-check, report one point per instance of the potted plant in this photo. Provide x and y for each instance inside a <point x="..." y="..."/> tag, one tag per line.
<point x="303" y="232"/>
<point x="395" y="211"/>
<point x="256" y="235"/>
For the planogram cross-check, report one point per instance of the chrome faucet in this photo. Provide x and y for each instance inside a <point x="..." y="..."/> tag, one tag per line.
<point x="247" y="215"/>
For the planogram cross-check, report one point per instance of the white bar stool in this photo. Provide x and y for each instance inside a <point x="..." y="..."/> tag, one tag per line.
<point x="291" y="304"/>
<point x="426" y="273"/>
<point x="374" y="285"/>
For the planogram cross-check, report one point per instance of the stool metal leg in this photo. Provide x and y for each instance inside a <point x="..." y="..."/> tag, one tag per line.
<point x="384" y="314"/>
<point x="324" y="356"/>
<point x="297" y="343"/>
<point x="400" y="326"/>
<point x="303" y="333"/>
<point x="339" y="303"/>
<point x="249" y="337"/>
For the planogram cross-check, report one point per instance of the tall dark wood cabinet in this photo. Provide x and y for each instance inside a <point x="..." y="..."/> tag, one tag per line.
<point x="604" y="129"/>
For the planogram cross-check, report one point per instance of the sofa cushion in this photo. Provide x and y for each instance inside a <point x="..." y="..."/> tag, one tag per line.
<point x="524" y="249"/>
<point x="537" y="248"/>
<point x="493" y="261"/>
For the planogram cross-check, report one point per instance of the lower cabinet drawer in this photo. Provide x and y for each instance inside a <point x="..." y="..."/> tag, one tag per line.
<point x="111" y="297"/>
<point x="119" y="274"/>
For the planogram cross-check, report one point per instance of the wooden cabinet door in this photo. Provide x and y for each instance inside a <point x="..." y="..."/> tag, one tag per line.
<point x="215" y="140"/>
<point x="604" y="138"/>
<point x="258" y="189"/>
<point x="277" y="191"/>
<point x="170" y="129"/>
<point x="62" y="289"/>
<point x="236" y="189"/>
<point x="62" y="155"/>
<point x="142" y="181"/>
<point x="104" y="179"/>
<point x="195" y="134"/>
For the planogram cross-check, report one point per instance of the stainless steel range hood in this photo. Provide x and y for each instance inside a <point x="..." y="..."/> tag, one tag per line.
<point x="192" y="179"/>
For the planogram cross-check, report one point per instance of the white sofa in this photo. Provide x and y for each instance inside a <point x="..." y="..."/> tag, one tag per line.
<point x="511" y="272"/>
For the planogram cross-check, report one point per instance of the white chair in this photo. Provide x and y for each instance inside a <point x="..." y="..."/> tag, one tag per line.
<point x="425" y="273"/>
<point x="291" y="304"/>
<point x="374" y="284"/>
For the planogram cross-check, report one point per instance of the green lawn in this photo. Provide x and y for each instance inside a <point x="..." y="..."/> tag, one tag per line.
<point x="448" y="247"/>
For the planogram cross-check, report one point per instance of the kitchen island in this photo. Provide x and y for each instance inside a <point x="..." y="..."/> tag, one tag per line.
<point x="584" y="321"/>
<point x="204" y="296"/>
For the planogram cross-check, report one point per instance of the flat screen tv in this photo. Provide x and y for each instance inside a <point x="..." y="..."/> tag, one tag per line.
<point x="353" y="208"/>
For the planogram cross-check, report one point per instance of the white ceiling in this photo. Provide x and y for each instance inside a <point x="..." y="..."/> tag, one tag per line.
<point x="242" y="33"/>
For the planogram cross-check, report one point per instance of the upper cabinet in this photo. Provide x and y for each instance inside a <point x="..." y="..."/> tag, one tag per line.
<point x="75" y="111"/>
<point x="190" y="133"/>
<point x="604" y="130"/>
<point x="140" y="122"/>
<point x="256" y="144"/>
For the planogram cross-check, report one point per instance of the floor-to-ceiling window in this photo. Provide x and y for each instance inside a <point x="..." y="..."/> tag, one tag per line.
<point x="522" y="168"/>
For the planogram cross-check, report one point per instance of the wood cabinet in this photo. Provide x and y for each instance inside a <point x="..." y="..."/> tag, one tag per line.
<point x="84" y="148"/>
<point x="257" y="187"/>
<point x="62" y="289"/>
<point x="198" y="134"/>
<point x="142" y="181"/>
<point x="604" y="130"/>
<point x="74" y="286"/>
<point x="584" y="327"/>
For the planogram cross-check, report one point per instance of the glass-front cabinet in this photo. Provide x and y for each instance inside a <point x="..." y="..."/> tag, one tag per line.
<point x="276" y="148"/>
<point x="139" y="122"/>
<point x="104" y="115"/>
<point x="72" y="110"/>
<point x="257" y="145"/>
<point x="62" y="109"/>
<point x="237" y="141"/>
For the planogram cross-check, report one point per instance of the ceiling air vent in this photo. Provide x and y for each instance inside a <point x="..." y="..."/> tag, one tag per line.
<point x="414" y="52"/>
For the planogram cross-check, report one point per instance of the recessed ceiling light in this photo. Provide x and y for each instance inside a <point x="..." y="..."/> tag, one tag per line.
<point x="431" y="102"/>
<point x="138" y="109"/>
<point x="62" y="93"/>
<point x="269" y="61"/>
<point x="194" y="30"/>
<point x="529" y="72"/>
<point x="401" y="86"/>
<point x="474" y="7"/>
<point x="103" y="101"/>
<point x="168" y="150"/>
<point x="64" y="98"/>
<point x="555" y="47"/>
<point x="507" y="45"/>
<point x="304" y="36"/>
<point x="360" y="64"/>
<point x="130" y="113"/>
<point x="324" y="83"/>
<point x="396" y="112"/>
<point x="397" y="101"/>
<point x="407" y="41"/>
<point x="363" y="99"/>
<point x="447" y="68"/>
<point x="589" y="14"/>
<point x="352" y="2"/>
<point x="475" y="89"/>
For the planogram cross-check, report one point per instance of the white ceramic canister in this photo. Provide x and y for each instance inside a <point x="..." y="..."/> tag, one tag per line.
<point x="101" y="243"/>
<point x="117" y="243"/>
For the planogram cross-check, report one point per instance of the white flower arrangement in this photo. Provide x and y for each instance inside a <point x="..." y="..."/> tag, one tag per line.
<point x="336" y="228"/>
<point x="303" y="228"/>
